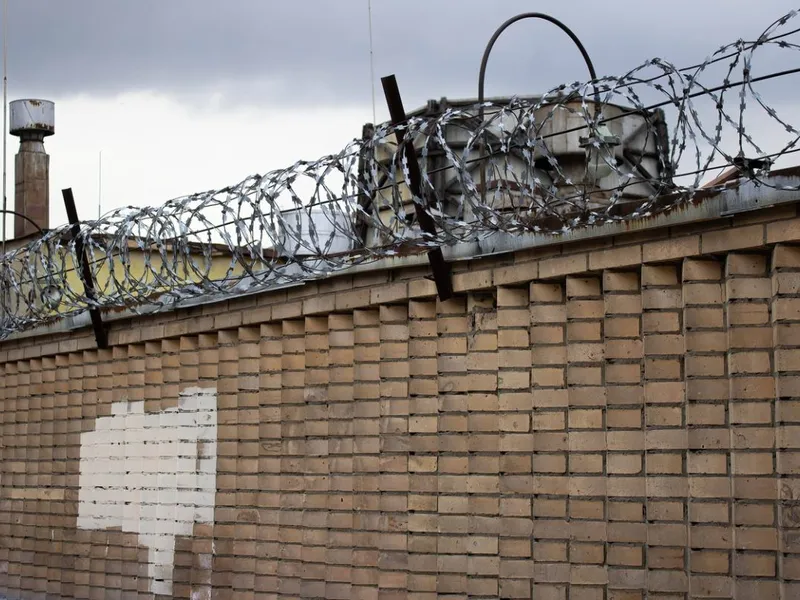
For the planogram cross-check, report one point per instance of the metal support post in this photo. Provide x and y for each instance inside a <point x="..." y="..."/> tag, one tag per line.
<point x="441" y="269"/>
<point x="85" y="272"/>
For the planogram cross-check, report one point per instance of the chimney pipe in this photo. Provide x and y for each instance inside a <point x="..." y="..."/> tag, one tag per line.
<point x="32" y="121"/>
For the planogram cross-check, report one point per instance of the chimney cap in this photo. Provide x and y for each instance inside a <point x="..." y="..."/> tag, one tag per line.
<point x="32" y="116"/>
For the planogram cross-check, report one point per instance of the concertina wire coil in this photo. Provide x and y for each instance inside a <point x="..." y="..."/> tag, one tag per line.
<point x="526" y="166"/>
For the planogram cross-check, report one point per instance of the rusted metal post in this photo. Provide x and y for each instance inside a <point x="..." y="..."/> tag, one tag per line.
<point x="85" y="272"/>
<point x="441" y="269"/>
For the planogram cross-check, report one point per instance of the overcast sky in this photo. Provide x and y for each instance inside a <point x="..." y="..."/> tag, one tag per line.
<point x="185" y="95"/>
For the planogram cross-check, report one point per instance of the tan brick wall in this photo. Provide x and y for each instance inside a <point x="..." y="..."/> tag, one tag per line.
<point x="596" y="422"/>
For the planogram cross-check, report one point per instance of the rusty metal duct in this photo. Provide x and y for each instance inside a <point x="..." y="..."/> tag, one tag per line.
<point x="32" y="121"/>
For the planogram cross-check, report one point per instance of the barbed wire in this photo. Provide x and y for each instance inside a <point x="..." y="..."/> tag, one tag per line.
<point x="548" y="164"/>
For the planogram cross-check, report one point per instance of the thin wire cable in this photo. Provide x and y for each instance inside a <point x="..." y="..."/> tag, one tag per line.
<point x="710" y="189"/>
<point x="575" y="129"/>
<point x="749" y="46"/>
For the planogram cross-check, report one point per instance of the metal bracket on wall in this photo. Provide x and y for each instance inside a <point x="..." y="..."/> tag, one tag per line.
<point x="441" y="269"/>
<point x="85" y="272"/>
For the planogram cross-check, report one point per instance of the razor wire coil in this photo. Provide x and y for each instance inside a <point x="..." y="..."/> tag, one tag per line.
<point x="547" y="165"/>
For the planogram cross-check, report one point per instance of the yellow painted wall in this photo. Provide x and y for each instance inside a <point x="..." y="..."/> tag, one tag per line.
<point x="138" y="277"/>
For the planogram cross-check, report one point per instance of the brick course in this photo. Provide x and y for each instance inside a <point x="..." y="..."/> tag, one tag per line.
<point x="615" y="420"/>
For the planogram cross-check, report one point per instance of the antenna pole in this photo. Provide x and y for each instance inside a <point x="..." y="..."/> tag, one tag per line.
<point x="5" y="118"/>
<point x="371" y="61"/>
<point x="100" y="185"/>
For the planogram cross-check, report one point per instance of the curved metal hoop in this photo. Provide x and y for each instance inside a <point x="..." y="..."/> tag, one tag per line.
<point x="531" y="15"/>
<point x="485" y="61"/>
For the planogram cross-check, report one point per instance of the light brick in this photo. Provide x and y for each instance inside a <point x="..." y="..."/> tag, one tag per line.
<point x="615" y="258"/>
<point x="563" y="265"/>
<point x="744" y="237"/>
<point x="783" y="231"/>
<point x="659" y="275"/>
<point x="386" y="447"/>
<point x="665" y="250"/>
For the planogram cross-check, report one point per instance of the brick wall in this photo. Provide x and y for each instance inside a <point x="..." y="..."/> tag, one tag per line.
<point x="617" y="421"/>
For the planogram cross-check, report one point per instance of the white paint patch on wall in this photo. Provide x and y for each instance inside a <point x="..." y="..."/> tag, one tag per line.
<point x="153" y="474"/>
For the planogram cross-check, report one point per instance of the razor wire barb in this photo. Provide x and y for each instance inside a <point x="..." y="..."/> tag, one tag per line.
<point x="548" y="165"/>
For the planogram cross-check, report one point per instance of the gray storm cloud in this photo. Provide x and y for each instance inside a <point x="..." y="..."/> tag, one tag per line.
<point x="316" y="52"/>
